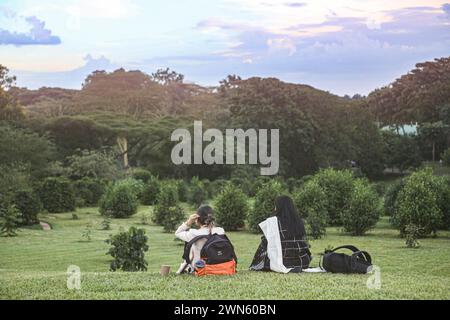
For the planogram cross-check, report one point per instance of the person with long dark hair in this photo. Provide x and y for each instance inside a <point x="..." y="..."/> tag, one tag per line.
<point x="203" y="220"/>
<point x="284" y="246"/>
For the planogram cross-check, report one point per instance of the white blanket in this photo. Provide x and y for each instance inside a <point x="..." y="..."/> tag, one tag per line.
<point x="274" y="251"/>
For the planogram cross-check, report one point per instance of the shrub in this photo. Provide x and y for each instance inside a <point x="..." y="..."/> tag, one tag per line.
<point x="293" y="184"/>
<point x="244" y="184"/>
<point x="29" y="205"/>
<point x="106" y="223"/>
<point x="9" y="221"/>
<point x="183" y="190"/>
<point x="57" y="195"/>
<point x="128" y="250"/>
<point x="150" y="191"/>
<point x="258" y="183"/>
<point x="231" y="208"/>
<point x="14" y="177"/>
<point x="141" y="175"/>
<point x="94" y="164"/>
<point x="391" y="196"/>
<point x="363" y="210"/>
<point x="264" y="204"/>
<point x="167" y="197"/>
<point x="418" y="203"/>
<point x="207" y="186"/>
<point x="86" y="234"/>
<point x="120" y="200"/>
<point x="89" y="190"/>
<point x="217" y="186"/>
<point x="443" y="193"/>
<point x="412" y="234"/>
<point x="337" y="186"/>
<point x="445" y="156"/>
<point x="197" y="193"/>
<point x="172" y="218"/>
<point x="311" y="203"/>
<point x="137" y="186"/>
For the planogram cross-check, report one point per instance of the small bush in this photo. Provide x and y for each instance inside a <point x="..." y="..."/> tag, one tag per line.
<point x="29" y="205"/>
<point x="87" y="232"/>
<point x="89" y="190"/>
<point x="172" y="218"/>
<point x="293" y="184"/>
<point x="418" y="203"/>
<point x="142" y="175"/>
<point x="264" y="204"/>
<point x="128" y="250"/>
<point x="244" y="184"/>
<point x="391" y="196"/>
<point x="183" y="190"/>
<point x="443" y="193"/>
<point x="258" y="183"/>
<point x="412" y="234"/>
<point x="337" y="186"/>
<point x="120" y="200"/>
<point x="217" y="186"/>
<point x="150" y="192"/>
<point x="207" y="186"/>
<point x="106" y="223"/>
<point x="167" y="197"/>
<point x="197" y="193"/>
<point x="445" y="156"/>
<point x="363" y="210"/>
<point x="311" y="203"/>
<point x="9" y="221"/>
<point x="231" y="208"/>
<point x="57" y="195"/>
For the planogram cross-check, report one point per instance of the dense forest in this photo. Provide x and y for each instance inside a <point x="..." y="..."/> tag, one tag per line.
<point x="125" y="118"/>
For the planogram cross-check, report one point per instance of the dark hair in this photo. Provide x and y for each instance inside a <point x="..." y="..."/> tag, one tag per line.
<point x="206" y="216"/>
<point x="289" y="218"/>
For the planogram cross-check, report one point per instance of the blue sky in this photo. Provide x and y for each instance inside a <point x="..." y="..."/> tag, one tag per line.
<point x="346" y="47"/>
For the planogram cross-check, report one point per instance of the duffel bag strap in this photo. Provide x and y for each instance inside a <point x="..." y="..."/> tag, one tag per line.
<point x="349" y="247"/>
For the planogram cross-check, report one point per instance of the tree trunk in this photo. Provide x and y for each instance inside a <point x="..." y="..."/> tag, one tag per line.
<point x="122" y="142"/>
<point x="434" y="151"/>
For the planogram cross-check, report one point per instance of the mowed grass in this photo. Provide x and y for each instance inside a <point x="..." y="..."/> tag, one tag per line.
<point x="33" y="266"/>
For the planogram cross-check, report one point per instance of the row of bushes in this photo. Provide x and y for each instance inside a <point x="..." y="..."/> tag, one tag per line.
<point x="329" y="198"/>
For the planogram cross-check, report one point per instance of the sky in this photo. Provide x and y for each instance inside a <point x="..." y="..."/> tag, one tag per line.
<point x="345" y="47"/>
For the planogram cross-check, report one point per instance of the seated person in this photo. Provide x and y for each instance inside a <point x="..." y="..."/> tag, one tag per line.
<point x="283" y="247"/>
<point x="204" y="221"/>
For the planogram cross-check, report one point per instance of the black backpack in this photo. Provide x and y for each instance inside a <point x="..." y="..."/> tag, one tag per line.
<point x="358" y="262"/>
<point x="216" y="250"/>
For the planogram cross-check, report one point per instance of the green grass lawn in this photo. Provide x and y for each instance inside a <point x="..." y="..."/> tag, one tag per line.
<point x="33" y="266"/>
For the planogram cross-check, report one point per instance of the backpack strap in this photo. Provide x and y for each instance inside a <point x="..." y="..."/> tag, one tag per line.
<point x="362" y="254"/>
<point x="188" y="246"/>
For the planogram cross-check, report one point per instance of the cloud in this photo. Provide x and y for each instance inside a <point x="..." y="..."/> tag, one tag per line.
<point x="36" y="35"/>
<point x="282" y="44"/>
<point x="446" y="8"/>
<point x="71" y="79"/>
<point x="343" y="54"/>
<point x="295" y="4"/>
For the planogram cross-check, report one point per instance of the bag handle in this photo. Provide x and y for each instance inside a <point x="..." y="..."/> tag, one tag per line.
<point x="349" y="247"/>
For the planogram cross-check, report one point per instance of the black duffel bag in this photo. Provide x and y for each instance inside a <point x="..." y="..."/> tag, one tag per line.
<point x="358" y="262"/>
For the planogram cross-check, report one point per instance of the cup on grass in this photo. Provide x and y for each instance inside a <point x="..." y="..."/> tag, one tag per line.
<point x="165" y="270"/>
